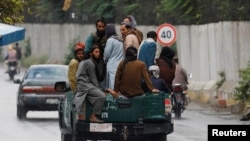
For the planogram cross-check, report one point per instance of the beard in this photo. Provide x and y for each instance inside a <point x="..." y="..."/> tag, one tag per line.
<point x="96" y="59"/>
<point x="100" y="33"/>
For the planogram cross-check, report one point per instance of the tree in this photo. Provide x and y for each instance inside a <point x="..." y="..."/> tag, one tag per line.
<point x="47" y="11"/>
<point x="146" y="12"/>
<point x="115" y="10"/>
<point x="96" y="9"/>
<point x="11" y="10"/>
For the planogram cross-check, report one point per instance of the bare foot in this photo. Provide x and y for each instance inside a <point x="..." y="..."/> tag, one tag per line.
<point x="94" y="119"/>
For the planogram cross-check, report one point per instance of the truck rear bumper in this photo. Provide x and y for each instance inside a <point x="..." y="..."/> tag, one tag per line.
<point x="121" y="130"/>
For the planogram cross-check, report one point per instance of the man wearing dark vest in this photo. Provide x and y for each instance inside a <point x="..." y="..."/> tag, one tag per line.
<point x="97" y="37"/>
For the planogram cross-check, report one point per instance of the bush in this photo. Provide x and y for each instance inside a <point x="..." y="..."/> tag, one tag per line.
<point x="70" y="55"/>
<point x="222" y="80"/>
<point x="31" y="60"/>
<point x="242" y="92"/>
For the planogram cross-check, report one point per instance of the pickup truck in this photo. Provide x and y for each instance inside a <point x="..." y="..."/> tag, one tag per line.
<point x="142" y="118"/>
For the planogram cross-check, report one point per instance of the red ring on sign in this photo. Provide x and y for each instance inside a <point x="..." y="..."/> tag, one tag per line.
<point x="162" y="42"/>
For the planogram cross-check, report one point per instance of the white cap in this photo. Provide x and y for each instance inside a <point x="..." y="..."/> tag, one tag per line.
<point x="155" y="70"/>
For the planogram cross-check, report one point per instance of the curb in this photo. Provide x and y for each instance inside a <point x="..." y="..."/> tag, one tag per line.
<point x="222" y="98"/>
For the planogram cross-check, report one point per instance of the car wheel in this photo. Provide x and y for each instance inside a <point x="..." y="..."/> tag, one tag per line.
<point x="66" y="137"/>
<point x="21" y="112"/>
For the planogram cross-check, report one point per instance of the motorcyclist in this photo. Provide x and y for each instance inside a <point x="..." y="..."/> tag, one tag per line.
<point x="11" y="57"/>
<point x="181" y="78"/>
<point x="157" y="82"/>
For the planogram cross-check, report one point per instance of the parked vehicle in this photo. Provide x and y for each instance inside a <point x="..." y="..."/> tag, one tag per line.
<point x="141" y="118"/>
<point x="12" y="69"/>
<point x="177" y="100"/>
<point x="36" y="89"/>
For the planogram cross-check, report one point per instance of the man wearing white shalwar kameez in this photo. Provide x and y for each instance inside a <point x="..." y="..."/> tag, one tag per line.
<point x="113" y="54"/>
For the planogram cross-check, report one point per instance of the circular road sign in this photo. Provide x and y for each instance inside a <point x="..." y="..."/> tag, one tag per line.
<point x="166" y="34"/>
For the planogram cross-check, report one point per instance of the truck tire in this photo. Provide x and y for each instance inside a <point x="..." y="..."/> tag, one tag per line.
<point x="66" y="137"/>
<point x="160" y="137"/>
<point x="156" y="137"/>
<point x="77" y="137"/>
<point x="21" y="112"/>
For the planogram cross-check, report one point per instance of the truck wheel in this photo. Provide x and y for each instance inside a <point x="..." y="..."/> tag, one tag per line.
<point x="76" y="137"/>
<point x="156" y="137"/>
<point x="66" y="137"/>
<point x="138" y="138"/>
<point x="21" y="112"/>
<point x="159" y="137"/>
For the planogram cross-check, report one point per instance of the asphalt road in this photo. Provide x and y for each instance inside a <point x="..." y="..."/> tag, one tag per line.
<point x="40" y="126"/>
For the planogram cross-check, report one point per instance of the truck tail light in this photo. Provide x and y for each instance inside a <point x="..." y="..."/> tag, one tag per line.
<point x="168" y="106"/>
<point x="80" y="116"/>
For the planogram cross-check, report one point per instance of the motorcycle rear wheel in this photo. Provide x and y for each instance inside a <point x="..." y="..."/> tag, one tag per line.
<point x="12" y="74"/>
<point x="177" y="111"/>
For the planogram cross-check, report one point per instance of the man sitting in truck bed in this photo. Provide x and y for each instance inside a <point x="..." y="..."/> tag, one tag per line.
<point x="88" y="78"/>
<point x="129" y="75"/>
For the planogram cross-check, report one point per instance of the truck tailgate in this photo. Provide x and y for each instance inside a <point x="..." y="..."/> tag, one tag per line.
<point x="145" y="107"/>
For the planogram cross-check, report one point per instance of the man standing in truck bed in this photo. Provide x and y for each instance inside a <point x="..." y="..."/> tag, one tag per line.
<point x="97" y="37"/>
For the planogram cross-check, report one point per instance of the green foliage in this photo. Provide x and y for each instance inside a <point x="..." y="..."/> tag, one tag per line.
<point x="242" y="92"/>
<point x="49" y="11"/>
<point x="96" y="9"/>
<point x="11" y="10"/>
<point x="177" y="11"/>
<point x="146" y="12"/>
<point x="70" y="55"/>
<point x="222" y="79"/>
<point x="31" y="60"/>
<point x="115" y="10"/>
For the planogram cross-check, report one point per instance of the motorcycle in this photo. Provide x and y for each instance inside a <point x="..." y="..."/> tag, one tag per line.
<point x="178" y="100"/>
<point x="12" y="69"/>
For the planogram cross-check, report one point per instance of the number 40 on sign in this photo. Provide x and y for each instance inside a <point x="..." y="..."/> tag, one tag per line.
<point x="166" y="34"/>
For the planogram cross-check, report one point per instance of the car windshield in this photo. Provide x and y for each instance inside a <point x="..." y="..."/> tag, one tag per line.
<point x="47" y="73"/>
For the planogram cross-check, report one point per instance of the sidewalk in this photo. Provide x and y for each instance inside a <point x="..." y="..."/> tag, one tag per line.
<point x="221" y="99"/>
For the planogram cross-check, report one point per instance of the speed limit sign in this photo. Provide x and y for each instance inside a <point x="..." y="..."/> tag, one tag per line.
<point x="166" y="34"/>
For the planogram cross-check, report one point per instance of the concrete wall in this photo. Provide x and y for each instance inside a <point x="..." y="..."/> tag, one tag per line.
<point x="203" y="50"/>
<point x="207" y="49"/>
